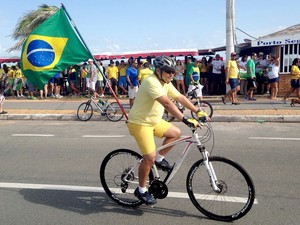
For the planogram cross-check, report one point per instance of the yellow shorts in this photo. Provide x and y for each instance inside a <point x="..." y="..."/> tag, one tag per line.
<point x="144" y="135"/>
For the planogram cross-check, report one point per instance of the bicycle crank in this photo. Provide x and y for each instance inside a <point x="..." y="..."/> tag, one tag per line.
<point x="159" y="189"/>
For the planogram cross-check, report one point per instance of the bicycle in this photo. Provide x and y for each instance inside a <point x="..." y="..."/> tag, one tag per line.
<point x="218" y="187"/>
<point x="200" y="104"/>
<point x="111" y="110"/>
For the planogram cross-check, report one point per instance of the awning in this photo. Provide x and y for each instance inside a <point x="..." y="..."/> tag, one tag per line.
<point x="9" y="60"/>
<point x="152" y="54"/>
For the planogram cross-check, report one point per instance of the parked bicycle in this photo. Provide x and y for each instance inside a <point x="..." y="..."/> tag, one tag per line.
<point x="111" y="110"/>
<point x="218" y="187"/>
<point x="200" y="104"/>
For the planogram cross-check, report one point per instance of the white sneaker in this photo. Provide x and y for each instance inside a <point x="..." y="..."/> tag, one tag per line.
<point x="59" y="96"/>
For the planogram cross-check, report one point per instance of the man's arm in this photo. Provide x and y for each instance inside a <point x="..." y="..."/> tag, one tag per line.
<point x="170" y="106"/>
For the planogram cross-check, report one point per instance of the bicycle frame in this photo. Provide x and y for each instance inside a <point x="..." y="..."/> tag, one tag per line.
<point x="191" y="141"/>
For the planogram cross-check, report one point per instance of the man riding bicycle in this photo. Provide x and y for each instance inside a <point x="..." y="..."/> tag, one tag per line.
<point x="145" y="120"/>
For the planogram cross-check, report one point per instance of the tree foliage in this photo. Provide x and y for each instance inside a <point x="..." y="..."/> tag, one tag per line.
<point x="28" y="22"/>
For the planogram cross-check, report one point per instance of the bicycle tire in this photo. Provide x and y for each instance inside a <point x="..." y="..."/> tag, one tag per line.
<point x="205" y="106"/>
<point x="85" y="111"/>
<point x="237" y="195"/>
<point x="113" y="166"/>
<point x="114" y="112"/>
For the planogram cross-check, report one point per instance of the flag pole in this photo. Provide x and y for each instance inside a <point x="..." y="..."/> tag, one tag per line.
<point x="85" y="45"/>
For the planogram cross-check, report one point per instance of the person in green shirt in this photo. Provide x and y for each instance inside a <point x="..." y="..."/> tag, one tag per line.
<point x="251" y="74"/>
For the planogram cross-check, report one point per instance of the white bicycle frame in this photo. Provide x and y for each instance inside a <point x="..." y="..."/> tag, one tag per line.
<point x="191" y="141"/>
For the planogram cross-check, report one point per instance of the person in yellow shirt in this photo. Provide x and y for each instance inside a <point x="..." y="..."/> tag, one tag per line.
<point x="144" y="72"/>
<point x="295" y="79"/>
<point x="112" y="75"/>
<point x="18" y="82"/>
<point x="145" y="120"/>
<point x="232" y="78"/>
<point x="122" y="77"/>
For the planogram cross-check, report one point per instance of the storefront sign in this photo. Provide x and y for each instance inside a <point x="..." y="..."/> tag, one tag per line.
<point x="279" y="40"/>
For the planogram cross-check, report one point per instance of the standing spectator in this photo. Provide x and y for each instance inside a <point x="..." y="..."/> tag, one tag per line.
<point x="243" y="75"/>
<point x="91" y="79"/>
<point x="72" y="77"/>
<point x="295" y="79"/>
<point x="112" y="75"/>
<point x="204" y="74"/>
<point x="3" y="76"/>
<point x="179" y="78"/>
<point x="273" y="75"/>
<point x="100" y="80"/>
<point x="2" y="100"/>
<point x="188" y="65"/>
<point x="217" y="68"/>
<point x="18" y="82"/>
<point x="232" y="78"/>
<point x="251" y="74"/>
<point x="133" y="81"/>
<point x="260" y="66"/>
<point x="31" y="89"/>
<point x="10" y="80"/>
<point x="83" y="75"/>
<point x="122" y="78"/>
<point x="144" y="72"/>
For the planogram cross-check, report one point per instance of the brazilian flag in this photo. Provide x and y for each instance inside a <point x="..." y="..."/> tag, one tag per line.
<point x="50" y="48"/>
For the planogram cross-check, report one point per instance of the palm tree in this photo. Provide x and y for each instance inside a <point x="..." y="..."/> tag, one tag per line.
<point x="29" y="22"/>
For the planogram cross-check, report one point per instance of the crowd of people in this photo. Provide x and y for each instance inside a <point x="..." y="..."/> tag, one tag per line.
<point x="246" y="75"/>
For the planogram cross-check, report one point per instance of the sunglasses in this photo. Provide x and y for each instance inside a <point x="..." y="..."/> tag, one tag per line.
<point x="169" y="71"/>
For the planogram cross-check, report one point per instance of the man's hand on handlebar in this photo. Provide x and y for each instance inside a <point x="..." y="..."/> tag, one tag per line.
<point x="202" y="116"/>
<point x="190" y="122"/>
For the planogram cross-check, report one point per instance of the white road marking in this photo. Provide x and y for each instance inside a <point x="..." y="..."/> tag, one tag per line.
<point x="275" y="138"/>
<point x="103" y="136"/>
<point x="33" y="135"/>
<point x="101" y="190"/>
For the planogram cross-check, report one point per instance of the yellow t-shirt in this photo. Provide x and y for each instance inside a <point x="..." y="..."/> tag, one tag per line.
<point x="18" y="74"/>
<point x="203" y="68"/>
<point x="1" y="73"/>
<point x="146" y="110"/>
<point x="296" y="72"/>
<point x="11" y="74"/>
<point x="144" y="73"/>
<point x="83" y="73"/>
<point x="112" y="72"/>
<point x="122" y="71"/>
<point x="233" y="69"/>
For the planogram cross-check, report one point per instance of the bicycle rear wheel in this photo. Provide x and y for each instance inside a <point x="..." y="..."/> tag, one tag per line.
<point x="115" y="166"/>
<point x="204" y="106"/>
<point x="85" y="111"/>
<point x="236" y="195"/>
<point x="114" y="112"/>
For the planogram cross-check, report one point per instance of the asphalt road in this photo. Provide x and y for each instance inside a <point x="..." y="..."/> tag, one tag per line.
<point x="50" y="173"/>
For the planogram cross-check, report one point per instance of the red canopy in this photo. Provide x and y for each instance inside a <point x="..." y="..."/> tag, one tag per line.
<point x="152" y="54"/>
<point x="9" y="60"/>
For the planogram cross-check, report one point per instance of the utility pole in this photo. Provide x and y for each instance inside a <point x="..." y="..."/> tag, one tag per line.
<point x="230" y="27"/>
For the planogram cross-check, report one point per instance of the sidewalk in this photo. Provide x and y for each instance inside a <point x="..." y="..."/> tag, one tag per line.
<point x="262" y="110"/>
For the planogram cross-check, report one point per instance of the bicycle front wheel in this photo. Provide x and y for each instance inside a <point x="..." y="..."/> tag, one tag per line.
<point x="204" y="106"/>
<point x="119" y="176"/>
<point x="114" y="112"/>
<point x="236" y="190"/>
<point x="85" y="111"/>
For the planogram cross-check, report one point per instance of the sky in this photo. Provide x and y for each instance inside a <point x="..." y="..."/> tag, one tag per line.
<point x="120" y="26"/>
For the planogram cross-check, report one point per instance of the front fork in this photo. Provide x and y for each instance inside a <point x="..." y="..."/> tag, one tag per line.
<point x="209" y="169"/>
